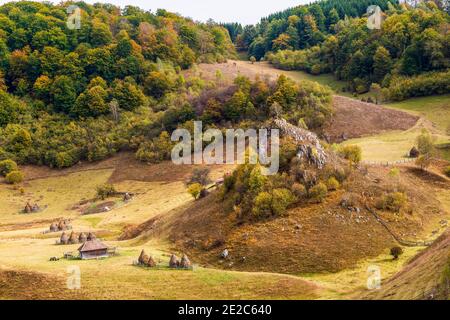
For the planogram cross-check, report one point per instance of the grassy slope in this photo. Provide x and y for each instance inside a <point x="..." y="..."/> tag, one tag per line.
<point x="394" y="145"/>
<point x="435" y="108"/>
<point x="114" y="277"/>
<point x="386" y="146"/>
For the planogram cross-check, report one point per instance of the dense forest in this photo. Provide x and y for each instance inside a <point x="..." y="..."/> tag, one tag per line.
<point x="299" y="27"/>
<point x="409" y="56"/>
<point x="117" y="84"/>
<point x="71" y="94"/>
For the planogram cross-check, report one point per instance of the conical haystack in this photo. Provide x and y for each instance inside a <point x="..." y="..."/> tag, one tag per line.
<point x="414" y="153"/>
<point x="91" y="236"/>
<point x="73" y="238"/>
<point x="82" y="237"/>
<point x="143" y="257"/>
<point x="64" y="238"/>
<point x="151" y="262"/>
<point x="54" y="227"/>
<point x="62" y="225"/>
<point x="174" y="262"/>
<point x="185" y="262"/>
<point x="27" y="208"/>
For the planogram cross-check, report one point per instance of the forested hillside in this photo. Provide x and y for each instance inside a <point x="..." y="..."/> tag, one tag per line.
<point x="299" y="27"/>
<point x="84" y="93"/>
<point x="409" y="56"/>
<point x="116" y="84"/>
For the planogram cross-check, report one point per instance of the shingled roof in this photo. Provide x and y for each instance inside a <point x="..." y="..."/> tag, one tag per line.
<point x="92" y="245"/>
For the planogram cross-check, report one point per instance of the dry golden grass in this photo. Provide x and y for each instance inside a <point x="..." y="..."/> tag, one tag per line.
<point x="25" y="251"/>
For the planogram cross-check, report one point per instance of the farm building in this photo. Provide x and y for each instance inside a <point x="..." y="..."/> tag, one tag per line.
<point x="93" y="249"/>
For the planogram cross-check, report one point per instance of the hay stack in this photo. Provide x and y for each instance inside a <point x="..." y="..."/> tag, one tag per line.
<point x="91" y="236"/>
<point x="82" y="238"/>
<point x="73" y="238"/>
<point x="414" y="153"/>
<point x="64" y="238"/>
<point x="151" y="262"/>
<point x="185" y="262"/>
<point x="27" y="208"/>
<point x="62" y="225"/>
<point x="143" y="258"/>
<point x="174" y="262"/>
<point x="54" y="227"/>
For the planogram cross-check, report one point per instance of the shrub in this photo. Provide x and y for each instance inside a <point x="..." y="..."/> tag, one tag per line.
<point x="396" y="252"/>
<point x="263" y="205"/>
<point x="333" y="184"/>
<point x="393" y="201"/>
<point x="195" y="189"/>
<point x="423" y="162"/>
<point x="14" y="177"/>
<point x="299" y="190"/>
<point x="421" y="85"/>
<point x="447" y="171"/>
<point x="318" y="192"/>
<point x="352" y="153"/>
<point x="201" y="176"/>
<point x="394" y="172"/>
<point x="266" y="204"/>
<point x="425" y="143"/>
<point x="316" y="69"/>
<point x="281" y="199"/>
<point x="6" y="166"/>
<point x="105" y="190"/>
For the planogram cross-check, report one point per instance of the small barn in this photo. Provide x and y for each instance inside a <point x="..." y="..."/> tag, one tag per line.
<point x="93" y="249"/>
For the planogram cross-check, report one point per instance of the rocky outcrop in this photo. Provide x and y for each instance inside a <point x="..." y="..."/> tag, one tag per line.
<point x="309" y="147"/>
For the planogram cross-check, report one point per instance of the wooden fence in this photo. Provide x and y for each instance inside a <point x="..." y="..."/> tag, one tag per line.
<point x="387" y="163"/>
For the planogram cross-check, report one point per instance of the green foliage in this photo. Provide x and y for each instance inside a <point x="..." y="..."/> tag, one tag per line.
<point x="332" y="184"/>
<point x="96" y="73"/>
<point x="281" y="199"/>
<point x="195" y="189"/>
<point x="394" y="201"/>
<point x="396" y="252"/>
<point x="105" y="190"/>
<point x="43" y="59"/>
<point x="409" y="56"/>
<point x="425" y="143"/>
<point x="263" y="205"/>
<point x="394" y="172"/>
<point x="353" y="153"/>
<point x="6" y="166"/>
<point x="268" y="204"/>
<point x="200" y="176"/>
<point x="426" y="84"/>
<point x="14" y="177"/>
<point x="423" y="161"/>
<point x="127" y="94"/>
<point x="318" y="193"/>
<point x="63" y="93"/>
<point x="299" y="190"/>
<point x="157" y="150"/>
<point x="157" y="84"/>
<point x="91" y="103"/>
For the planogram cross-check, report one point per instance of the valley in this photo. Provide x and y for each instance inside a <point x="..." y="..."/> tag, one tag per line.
<point x="325" y="270"/>
<point x="96" y="201"/>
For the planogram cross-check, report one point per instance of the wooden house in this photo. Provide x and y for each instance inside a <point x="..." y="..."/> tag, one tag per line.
<point x="93" y="249"/>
